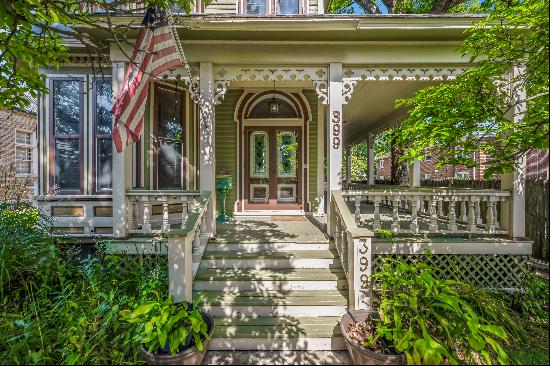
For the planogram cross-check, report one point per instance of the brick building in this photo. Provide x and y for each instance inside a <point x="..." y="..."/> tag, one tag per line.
<point x="536" y="167"/>
<point x="17" y="139"/>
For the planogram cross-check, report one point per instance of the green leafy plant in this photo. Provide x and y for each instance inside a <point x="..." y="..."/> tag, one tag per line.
<point x="429" y="321"/>
<point x="163" y="323"/>
<point x="532" y="298"/>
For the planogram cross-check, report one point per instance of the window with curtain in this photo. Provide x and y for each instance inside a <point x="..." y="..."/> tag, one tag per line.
<point x="102" y="104"/>
<point x="66" y="134"/>
<point x="170" y="138"/>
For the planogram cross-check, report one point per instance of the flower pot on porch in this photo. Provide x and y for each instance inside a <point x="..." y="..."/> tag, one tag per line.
<point x="359" y="354"/>
<point x="187" y="356"/>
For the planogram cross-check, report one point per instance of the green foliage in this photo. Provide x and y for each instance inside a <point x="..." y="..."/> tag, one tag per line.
<point x="164" y="324"/>
<point x="56" y="308"/>
<point x="453" y="119"/>
<point x="31" y="38"/>
<point x="404" y="6"/>
<point x="532" y="298"/>
<point x="429" y="321"/>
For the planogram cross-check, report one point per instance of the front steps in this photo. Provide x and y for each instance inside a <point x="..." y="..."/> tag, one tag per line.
<point x="273" y="296"/>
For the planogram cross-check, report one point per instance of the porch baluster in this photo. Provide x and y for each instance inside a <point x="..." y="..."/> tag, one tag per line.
<point x="183" y="212"/>
<point x="357" y="210"/>
<point x="414" y="214"/>
<point x="452" y="215"/>
<point x="490" y="225"/>
<point x="395" y="216"/>
<point x="495" y="213"/>
<point x="165" y="221"/>
<point x="479" y="221"/>
<point x="376" y="221"/>
<point x="433" y="227"/>
<point x="440" y="207"/>
<point x="197" y="241"/>
<point x="463" y="214"/>
<point x="146" y="227"/>
<point x="471" y="227"/>
<point x="422" y="205"/>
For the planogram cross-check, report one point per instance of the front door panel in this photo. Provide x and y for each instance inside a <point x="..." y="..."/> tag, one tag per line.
<point x="272" y="168"/>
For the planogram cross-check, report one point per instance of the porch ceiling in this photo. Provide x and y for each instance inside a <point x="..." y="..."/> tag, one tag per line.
<point x="372" y="106"/>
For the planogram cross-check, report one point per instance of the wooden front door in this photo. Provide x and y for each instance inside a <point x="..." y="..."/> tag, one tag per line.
<point x="273" y="168"/>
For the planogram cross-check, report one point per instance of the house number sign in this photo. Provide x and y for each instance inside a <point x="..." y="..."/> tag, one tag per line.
<point x="336" y="129"/>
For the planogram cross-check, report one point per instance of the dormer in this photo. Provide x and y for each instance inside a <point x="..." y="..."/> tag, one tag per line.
<point x="262" y="7"/>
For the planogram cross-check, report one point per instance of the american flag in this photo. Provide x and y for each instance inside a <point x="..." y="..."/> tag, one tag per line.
<point x="155" y="51"/>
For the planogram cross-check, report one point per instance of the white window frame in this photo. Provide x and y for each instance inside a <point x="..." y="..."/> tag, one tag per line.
<point x="427" y="176"/>
<point x="272" y="7"/>
<point x="29" y="146"/>
<point x="462" y="175"/>
<point x="381" y="164"/>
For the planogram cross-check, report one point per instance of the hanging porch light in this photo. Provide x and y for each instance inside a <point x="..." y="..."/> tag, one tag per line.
<point x="273" y="103"/>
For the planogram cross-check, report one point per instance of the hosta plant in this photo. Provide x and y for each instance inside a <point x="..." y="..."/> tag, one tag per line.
<point x="428" y="320"/>
<point x="165" y="325"/>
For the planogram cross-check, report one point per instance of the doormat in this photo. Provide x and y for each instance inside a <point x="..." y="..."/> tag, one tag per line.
<point x="288" y="218"/>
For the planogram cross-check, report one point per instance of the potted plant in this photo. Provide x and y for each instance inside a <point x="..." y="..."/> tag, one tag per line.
<point x="420" y="319"/>
<point x="171" y="333"/>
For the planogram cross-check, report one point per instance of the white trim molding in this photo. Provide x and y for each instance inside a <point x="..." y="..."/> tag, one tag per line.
<point x="223" y="76"/>
<point x="353" y="74"/>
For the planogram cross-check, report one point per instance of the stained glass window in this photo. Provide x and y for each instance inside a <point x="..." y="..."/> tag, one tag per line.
<point x="286" y="151"/>
<point x="258" y="154"/>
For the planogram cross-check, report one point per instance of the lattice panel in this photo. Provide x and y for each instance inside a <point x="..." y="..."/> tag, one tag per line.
<point x="490" y="271"/>
<point x="142" y="265"/>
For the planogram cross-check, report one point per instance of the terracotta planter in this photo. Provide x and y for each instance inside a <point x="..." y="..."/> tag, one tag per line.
<point x="189" y="356"/>
<point x="359" y="354"/>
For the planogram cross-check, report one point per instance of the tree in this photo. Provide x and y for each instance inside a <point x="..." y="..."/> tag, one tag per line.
<point x="454" y="119"/>
<point x="32" y="35"/>
<point x="403" y="6"/>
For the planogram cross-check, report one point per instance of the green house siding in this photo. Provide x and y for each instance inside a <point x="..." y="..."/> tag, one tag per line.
<point x="311" y="97"/>
<point x="221" y="7"/>
<point x="226" y="144"/>
<point x="191" y="141"/>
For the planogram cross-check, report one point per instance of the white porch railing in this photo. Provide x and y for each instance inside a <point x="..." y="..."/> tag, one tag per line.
<point x="442" y="211"/>
<point x="489" y="263"/>
<point x="180" y="216"/>
<point x="153" y="212"/>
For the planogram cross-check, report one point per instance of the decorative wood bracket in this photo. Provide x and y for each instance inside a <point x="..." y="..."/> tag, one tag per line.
<point x="223" y="76"/>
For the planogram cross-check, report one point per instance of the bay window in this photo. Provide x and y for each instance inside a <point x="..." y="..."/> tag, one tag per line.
<point x="66" y="134"/>
<point x="103" y="142"/>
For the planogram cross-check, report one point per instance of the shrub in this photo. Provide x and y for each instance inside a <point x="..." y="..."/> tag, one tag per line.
<point x="57" y="308"/>
<point x="429" y="321"/>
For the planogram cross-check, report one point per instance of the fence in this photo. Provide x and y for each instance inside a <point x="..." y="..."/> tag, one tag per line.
<point x="462" y="183"/>
<point x="536" y="216"/>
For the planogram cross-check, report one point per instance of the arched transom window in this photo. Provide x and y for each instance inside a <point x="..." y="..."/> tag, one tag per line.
<point x="272" y="106"/>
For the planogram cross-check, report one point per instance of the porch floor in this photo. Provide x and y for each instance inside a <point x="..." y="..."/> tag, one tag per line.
<point x="273" y="229"/>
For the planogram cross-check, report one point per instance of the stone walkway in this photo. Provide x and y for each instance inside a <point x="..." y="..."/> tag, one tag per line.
<point x="277" y="358"/>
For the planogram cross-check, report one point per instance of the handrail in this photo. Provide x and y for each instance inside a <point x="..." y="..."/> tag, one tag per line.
<point x="185" y="248"/>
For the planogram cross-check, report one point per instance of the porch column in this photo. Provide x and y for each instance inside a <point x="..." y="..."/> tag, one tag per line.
<point x="122" y="168"/>
<point x="334" y="136"/>
<point x="207" y="165"/>
<point x="348" y="165"/>
<point x="370" y="158"/>
<point x="513" y="216"/>
<point x="414" y="174"/>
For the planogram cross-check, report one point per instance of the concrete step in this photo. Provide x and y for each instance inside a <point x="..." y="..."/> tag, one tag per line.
<point x="281" y="279"/>
<point x="280" y="333"/>
<point x="269" y="259"/>
<point x="274" y="303"/>
<point x="261" y="247"/>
